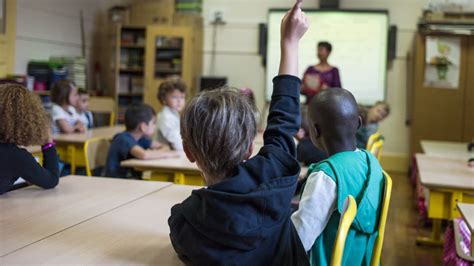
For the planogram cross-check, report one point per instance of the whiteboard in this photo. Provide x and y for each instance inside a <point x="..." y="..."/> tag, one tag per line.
<point x="359" y="49"/>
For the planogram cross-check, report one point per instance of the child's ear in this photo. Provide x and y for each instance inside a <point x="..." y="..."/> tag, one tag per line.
<point x="249" y="151"/>
<point x="360" y="123"/>
<point x="188" y="153"/>
<point x="143" y="126"/>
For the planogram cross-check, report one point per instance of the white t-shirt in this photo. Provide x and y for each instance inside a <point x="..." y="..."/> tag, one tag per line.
<point x="86" y="118"/>
<point x="58" y="113"/>
<point x="168" y="128"/>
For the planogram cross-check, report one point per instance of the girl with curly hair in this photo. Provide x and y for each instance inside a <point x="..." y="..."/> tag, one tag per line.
<point x="24" y="122"/>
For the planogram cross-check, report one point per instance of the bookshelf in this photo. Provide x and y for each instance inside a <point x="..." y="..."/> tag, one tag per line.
<point x="141" y="57"/>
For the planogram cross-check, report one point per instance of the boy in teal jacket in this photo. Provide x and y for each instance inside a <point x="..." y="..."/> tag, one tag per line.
<point x="334" y="120"/>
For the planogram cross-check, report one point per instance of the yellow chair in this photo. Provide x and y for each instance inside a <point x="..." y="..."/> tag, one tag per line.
<point x="348" y="214"/>
<point x="103" y="105"/>
<point x="377" y="252"/>
<point x="96" y="151"/>
<point x="376" y="149"/>
<point x="372" y="139"/>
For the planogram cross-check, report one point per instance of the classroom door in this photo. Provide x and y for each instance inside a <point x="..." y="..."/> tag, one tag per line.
<point x="168" y="53"/>
<point x="438" y="113"/>
<point x="469" y="99"/>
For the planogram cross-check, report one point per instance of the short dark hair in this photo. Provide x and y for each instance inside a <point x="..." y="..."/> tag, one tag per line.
<point x="325" y="44"/>
<point x="138" y="113"/>
<point x="82" y="91"/>
<point x="60" y="91"/>
<point x="169" y="85"/>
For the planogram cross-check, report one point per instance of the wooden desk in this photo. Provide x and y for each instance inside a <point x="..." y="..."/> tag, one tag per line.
<point x="134" y="234"/>
<point x="71" y="146"/>
<point x="445" y="149"/>
<point x="182" y="171"/>
<point x="449" y="182"/>
<point x="467" y="212"/>
<point x="31" y="214"/>
<point x="179" y="168"/>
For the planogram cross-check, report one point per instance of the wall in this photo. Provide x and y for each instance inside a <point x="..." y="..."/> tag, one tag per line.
<point x="237" y="52"/>
<point x="52" y="28"/>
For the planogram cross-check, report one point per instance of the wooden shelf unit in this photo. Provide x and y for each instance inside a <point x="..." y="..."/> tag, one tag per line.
<point x="146" y="55"/>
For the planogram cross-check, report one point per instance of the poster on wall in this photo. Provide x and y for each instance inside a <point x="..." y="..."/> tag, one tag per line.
<point x="442" y="62"/>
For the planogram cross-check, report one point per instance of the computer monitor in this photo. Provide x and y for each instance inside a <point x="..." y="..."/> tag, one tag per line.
<point x="210" y="83"/>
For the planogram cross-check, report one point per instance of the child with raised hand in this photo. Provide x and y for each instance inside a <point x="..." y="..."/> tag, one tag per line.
<point x="135" y="142"/>
<point x="25" y="123"/>
<point x="65" y="119"/>
<point x="333" y="123"/>
<point x="243" y="216"/>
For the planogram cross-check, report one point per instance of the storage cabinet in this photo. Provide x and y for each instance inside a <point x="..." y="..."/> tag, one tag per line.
<point x="442" y="113"/>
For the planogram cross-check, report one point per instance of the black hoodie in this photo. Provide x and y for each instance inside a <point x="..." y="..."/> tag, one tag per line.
<point x="245" y="219"/>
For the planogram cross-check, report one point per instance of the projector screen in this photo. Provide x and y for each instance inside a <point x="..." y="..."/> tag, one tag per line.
<point x="359" y="49"/>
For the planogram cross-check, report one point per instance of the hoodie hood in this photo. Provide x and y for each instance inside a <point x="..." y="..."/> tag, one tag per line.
<point x="244" y="209"/>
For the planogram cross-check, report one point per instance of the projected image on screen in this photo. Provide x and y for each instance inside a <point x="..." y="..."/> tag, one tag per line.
<point x="359" y="49"/>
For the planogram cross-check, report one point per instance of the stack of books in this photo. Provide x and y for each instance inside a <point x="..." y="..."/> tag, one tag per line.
<point x="76" y="69"/>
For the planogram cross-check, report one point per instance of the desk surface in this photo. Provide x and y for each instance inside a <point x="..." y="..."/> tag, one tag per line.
<point x="31" y="214"/>
<point x="467" y="212"/>
<point x="175" y="164"/>
<point x="445" y="149"/>
<point x="436" y="172"/>
<point x="100" y="132"/>
<point x="135" y="233"/>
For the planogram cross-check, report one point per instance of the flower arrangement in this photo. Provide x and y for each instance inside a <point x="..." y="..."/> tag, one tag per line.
<point x="441" y="61"/>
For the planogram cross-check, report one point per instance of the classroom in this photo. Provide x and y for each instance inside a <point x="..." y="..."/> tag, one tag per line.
<point x="237" y="132"/>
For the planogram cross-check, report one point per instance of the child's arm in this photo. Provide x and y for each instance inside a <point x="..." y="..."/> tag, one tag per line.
<point x="317" y="204"/>
<point x="156" y="145"/>
<point x="79" y="127"/>
<point x="64" y="127"/>
<point x="284" y="117"/>
<point x="142" y="154"/>
<point x="46" y="176"/>
<point x="293" y="27"/>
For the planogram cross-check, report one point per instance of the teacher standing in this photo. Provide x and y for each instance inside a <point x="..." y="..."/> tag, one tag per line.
<point x="322" y="75"/>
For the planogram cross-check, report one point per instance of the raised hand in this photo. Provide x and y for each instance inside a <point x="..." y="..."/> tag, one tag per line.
<point x="295" y="24"/>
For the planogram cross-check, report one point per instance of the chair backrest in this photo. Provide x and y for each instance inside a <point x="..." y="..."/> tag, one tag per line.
<point x="96" y="151"/>
<point x="372" y="139"/>
<point x="347" y="217"/>
<point x="103" y="105"/>
<point x="377" y="252"/>
<point x="376" y="149"/>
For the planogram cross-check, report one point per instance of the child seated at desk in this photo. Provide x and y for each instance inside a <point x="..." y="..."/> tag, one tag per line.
<point x="134" y="142"/>
<point x="371" y="117"/>
<point x="333" y="123"/>
<point x="82" y="109"/>
<point x="65" y="119"/>
<point x="243" y="216"/>
<point x="171" y="94"/>
<point x="25" y="123"/>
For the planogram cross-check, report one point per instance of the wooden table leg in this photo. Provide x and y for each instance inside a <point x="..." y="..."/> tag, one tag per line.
<point x="435" y="238"/>
<point x="179" y="178"/>
<point x="71" y="151"/>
